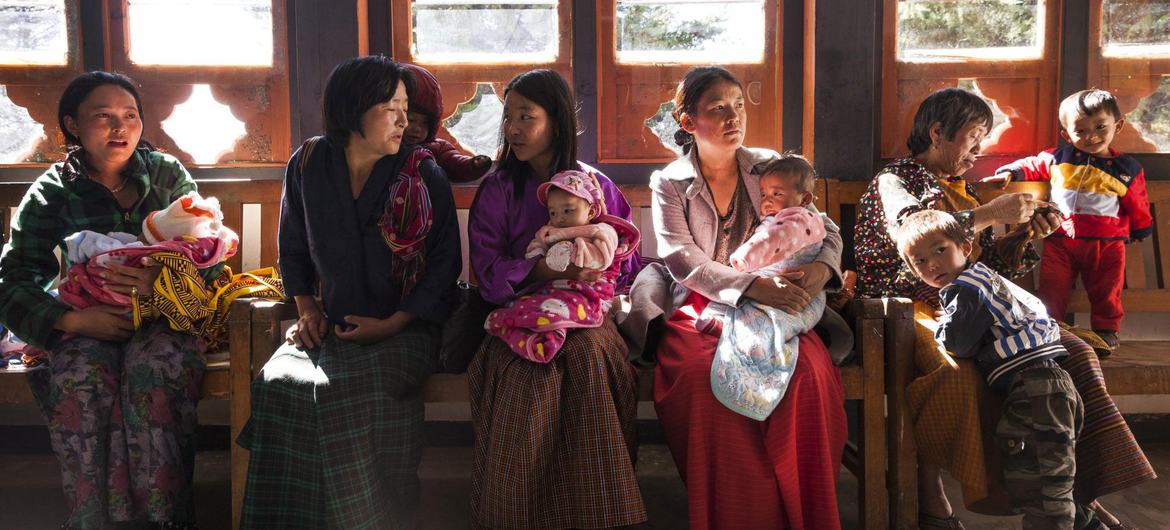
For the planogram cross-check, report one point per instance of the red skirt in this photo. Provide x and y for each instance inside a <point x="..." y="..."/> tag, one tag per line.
<point x="743" y="473"/>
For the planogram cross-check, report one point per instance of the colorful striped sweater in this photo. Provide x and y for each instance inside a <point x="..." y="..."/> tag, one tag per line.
<point x="1101" y="198"/>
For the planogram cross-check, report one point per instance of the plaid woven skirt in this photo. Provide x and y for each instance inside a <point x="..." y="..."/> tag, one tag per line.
<point x="954" y="417"/>
<point x="336" y="434"/>
<point x="555" y="443"/>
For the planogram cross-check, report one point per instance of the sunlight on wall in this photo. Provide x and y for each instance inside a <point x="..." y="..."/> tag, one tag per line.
<point x="203" y="127"/>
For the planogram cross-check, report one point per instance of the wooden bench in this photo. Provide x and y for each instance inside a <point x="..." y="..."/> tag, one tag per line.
<point x="1136" y="368"/>
<point x="256" y="333"/>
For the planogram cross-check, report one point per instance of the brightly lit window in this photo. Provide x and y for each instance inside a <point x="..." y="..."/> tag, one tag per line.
<point x="1135" y="28"/>
<point x="957" y="30"/>
<point x="1151" y="117"/>
<point x="476" y="122"/>
<point x="690" y="31"/>
<point x="21" y="132"/>
<point x="472" y="31"/>
<point x="33" y="32"/>
<point x="201" y="32"/>
<point x="203" y="127"/>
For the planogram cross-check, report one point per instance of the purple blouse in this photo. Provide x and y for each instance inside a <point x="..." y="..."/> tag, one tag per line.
<point x="500" y="226"/>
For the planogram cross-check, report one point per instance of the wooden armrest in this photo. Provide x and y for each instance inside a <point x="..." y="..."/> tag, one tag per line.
<point x="255" y="331"/>
<point x="882" y="307"/>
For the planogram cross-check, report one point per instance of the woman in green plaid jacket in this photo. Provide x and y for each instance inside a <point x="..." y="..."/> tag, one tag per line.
<point x="119" y="402"/>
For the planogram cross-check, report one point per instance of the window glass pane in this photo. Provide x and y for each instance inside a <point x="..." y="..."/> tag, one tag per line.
<point x="999" y="120"/>
<point x="33" y="32"/>
<point x="690" y="31"/>
<point x="1151" y="117"/>
<point x="468" y="31"/>
<point x="21" y="131"/>
<point x="1136" y="27"/>
<point x="933" y="30"/>
<point x="476" y="122"/>
<point x="201" y="32"/>
<point x="203" y="127"/>
<point x="664" y="126"/>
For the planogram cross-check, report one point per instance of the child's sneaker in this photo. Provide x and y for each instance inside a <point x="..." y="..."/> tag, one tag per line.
<point x="1110" y="338"/>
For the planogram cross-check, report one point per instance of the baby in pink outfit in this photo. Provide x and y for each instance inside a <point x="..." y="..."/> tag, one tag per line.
<point x="758" y="345"/>
<point x="579" y="233"/>
<point x="575" y="233"/>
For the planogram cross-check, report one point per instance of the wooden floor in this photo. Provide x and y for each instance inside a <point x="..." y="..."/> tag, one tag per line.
<point x="32" y="499"/>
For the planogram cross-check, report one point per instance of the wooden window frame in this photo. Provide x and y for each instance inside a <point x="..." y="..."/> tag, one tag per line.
<point x="258" y="96"/>
<point x="1026" y="89"/>
<point x="1130" y="79"/>
<point x="38" y="88"/>
<point x="460" y="80"/>
<point x="639" y="89"/>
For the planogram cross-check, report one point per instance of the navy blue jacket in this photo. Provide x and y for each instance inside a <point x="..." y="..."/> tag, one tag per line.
<point x="328" y="237"/>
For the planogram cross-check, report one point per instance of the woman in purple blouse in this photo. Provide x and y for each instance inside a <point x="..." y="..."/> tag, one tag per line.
<point x="554" y="443"/>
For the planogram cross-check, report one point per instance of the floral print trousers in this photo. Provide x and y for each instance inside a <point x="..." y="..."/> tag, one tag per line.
<point x="122" y="422"/>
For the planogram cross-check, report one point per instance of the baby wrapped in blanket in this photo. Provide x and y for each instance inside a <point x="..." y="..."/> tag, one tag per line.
<point x="188" y="239"/>
<point x="579" y="233"/>
<point x="758" y="345"/>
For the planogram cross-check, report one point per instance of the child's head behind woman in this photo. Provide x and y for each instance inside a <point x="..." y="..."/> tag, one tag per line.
<point x="786" y="181"/>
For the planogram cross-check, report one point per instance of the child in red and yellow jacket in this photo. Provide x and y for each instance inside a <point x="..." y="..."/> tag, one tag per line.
<point x="1101" y="194"/>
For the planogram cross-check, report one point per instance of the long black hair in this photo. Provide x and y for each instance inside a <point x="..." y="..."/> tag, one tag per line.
<point x="80" y="88"/>
<point x="549" y="90"/>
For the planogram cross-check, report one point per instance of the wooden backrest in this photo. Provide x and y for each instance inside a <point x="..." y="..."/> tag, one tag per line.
<point x="251" y="208"/>
<point x="1147" y="270"/>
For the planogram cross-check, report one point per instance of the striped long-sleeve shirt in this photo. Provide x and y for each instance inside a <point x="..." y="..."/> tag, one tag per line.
<point x="1100" y="198"/>
<point x="61" y="202"/>
<point x="997" y="322"/>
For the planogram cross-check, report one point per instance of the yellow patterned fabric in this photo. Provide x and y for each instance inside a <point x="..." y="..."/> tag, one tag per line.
<point x="191" y="305"/>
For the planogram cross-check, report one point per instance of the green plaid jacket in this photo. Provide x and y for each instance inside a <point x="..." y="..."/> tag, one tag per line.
<point x="61" y="202"/>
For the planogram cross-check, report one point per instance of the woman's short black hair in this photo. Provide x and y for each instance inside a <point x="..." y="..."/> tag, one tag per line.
<point x="353" y="87"/>
<point x="953" y="108"/>
<point x="549" y="90"/>
<point x="80" y="88"/>
<point x="690" y="89"/>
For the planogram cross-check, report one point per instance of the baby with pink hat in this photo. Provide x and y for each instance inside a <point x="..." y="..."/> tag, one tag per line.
<point x="579" y="233"/>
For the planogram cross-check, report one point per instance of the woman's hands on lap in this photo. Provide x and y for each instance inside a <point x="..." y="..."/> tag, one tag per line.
<point x="776" y="292"/>
<point x="132" y="280"/>
<point x="102" y="322"/>
<point x="542" y="272"/>
<point x="810" y="277"/>
<point x="369" y="330"/>
<point x="308" y="331"/>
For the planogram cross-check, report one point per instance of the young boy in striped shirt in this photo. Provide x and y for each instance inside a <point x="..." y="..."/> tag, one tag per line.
<point x="1014" y="343"/>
